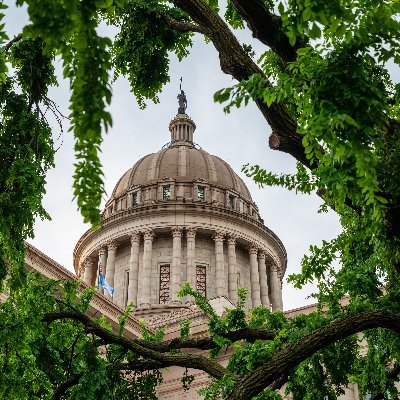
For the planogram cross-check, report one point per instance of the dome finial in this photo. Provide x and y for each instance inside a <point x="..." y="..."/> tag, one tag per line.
<point x="182" y="101"/>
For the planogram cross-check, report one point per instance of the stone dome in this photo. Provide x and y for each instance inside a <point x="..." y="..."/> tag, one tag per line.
<point x="167" y="163"/>
<point x="182" y="215"/>
<point x="181" y="161"/>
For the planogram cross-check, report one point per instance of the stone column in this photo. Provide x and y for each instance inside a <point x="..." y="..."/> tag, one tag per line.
<point x="145" y="284"/>
<point x="276" y="294"/>
<point x="232" y="274"/>
<point x="254" y="277"/>
<point x="134" y="269"/>
<point x="190" y="258"/>
<point x="262" y="269"/>
<point x="112" y="248"/>
<point x="102" y="264"/>
<point x="219" y="264"/>
<point x="176" y="267"/>
<point x="88" y="271"/>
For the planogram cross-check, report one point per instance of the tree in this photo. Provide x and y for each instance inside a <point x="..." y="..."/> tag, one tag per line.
<point x="322" y="85"/>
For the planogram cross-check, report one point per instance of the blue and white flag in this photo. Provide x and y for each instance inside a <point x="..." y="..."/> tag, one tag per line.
<point x="105" y="285"/>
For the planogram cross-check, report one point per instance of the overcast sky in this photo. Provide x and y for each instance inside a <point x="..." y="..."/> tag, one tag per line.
<point x="238" y="138"/>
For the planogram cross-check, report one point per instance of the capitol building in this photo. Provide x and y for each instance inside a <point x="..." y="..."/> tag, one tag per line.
<point x="178" y="215"/>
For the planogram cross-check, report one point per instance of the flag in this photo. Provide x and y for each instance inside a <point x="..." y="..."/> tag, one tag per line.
<point x="105" y="285"/>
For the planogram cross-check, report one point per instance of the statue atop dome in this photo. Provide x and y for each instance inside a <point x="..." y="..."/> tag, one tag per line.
<point x="182" y="101"/>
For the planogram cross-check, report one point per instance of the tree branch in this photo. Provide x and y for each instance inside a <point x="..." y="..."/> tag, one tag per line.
<point x="142" y="365"/>
<point x="64" y="386"/>
<point x="181" y="26"/>
<point x="266" y="27"/>
<point x="181" y="360"/>
<point x="235" y="62"/>
<point x="12" y="41"/>
<point x="248" y="334"/>
<point x="289" y="357"/>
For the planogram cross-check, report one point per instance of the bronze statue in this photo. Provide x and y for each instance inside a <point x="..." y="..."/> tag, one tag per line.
<point x="182" y="102"/>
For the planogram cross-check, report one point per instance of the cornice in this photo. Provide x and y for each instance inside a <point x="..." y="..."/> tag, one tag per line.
<point x="173" y="207"/>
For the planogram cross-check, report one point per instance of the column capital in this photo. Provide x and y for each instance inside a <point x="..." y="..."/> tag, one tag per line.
<point x="149" y="234"/>
<point x="252" y="248"/>
<point x="112" y="245"/>
<point x="262" y="254"/>
<point x="232" y="239"/>
<point x="134" y="236"/>
<point x="81" y="270"/>
<point x="219" y="236"/>
<point x="176" y="231"/>
<point x="191" y="232"/>
<point x="87" y="261"/>
<point x="273" y="267"/>
<point x="102" y="250"/>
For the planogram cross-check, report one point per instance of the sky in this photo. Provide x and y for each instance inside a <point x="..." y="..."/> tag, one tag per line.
<point x="239" y="138"/>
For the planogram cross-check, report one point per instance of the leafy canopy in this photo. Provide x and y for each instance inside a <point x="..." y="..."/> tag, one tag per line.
<point x="324" y="87"/>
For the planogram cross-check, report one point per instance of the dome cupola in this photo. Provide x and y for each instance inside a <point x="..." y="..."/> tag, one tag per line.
<point x="182" y="128"/>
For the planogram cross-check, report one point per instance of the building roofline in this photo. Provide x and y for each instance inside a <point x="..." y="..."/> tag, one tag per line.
<point x="37" y="260"/>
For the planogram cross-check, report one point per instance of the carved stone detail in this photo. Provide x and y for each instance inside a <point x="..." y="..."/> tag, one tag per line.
<point x="112" y="246"/>
<point x="102" y="251"/>
<point x="261" y="255"/>
<point x="232" y="239"/>
<point x="176" y="231"/>
<point x="219" y="236"/>
<point x="191" y="232"/>
<point x="149" y="234"/>
<point x="134" y="237"/>
<point x="252" y="248"/>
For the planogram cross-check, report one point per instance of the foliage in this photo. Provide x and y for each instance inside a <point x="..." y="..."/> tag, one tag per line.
<point x="324" y="87"/>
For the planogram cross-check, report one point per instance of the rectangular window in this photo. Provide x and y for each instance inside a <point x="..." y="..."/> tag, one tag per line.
<point x="201" y="282"/>
<point x="231" y="201"/>
<point x="110" y="210"/>
<point x="164" y="283"/>
<point x="166" y="192"/>
<point x="201" y="193"/>
<point x="134" y="198"/>
<point x="126" y="287"/>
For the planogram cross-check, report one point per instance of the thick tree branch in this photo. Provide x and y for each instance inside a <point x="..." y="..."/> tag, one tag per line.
<point x="12" y="41"/>
<point x="181" y="26"/>
<point x="248" y="334"/>
<point x="293" y="355"/>
<point x="181" y="360"/>
<point x="266" y="27"/>
<point x="64" y="386"/>
<point x="142" y="365"/>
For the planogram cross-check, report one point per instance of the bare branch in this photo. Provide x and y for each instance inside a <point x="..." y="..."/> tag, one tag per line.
<point x="266" y="27"/>
<point x="181" y="360"/>
<point x="289" y="357"/>
<point x="181" y="26"/>
<point x="12" y="41"/>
